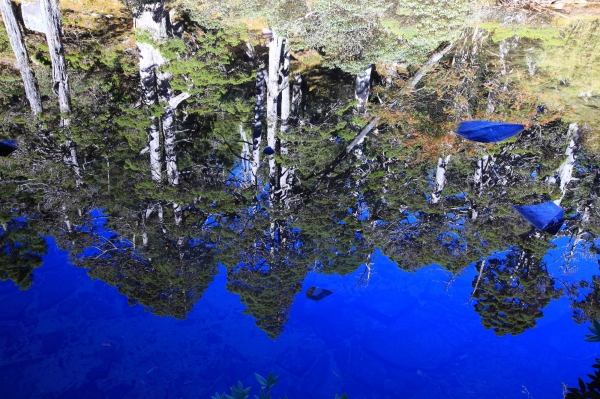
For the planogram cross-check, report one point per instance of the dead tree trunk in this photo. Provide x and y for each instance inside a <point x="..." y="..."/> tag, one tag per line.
<point x="564" y="174"/>
<point x="17" y="42"/>
<point x="275" y="47"/>
<point x="259" y="107"/>
<point x="60" y="78"/>
<point x="297" y="96"/>
<point x="363" y="89"/>
<point x="285" y="87"/>
<point x="156" y="86"/>
<point x="430" y="63"/>
<point x="440" y="179"/>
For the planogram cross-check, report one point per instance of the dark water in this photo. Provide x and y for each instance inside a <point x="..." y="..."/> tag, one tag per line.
<point x="404" y="335"/>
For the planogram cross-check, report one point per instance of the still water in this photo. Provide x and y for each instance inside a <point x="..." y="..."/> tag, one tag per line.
<point x="407" y="335"/>
<point x="241" y="162"/>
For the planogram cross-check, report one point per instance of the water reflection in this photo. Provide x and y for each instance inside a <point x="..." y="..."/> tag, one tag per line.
<point x="203" y="147"/>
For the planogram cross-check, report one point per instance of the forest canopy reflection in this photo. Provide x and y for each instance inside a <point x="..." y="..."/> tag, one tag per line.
<point x="163" y="128"/>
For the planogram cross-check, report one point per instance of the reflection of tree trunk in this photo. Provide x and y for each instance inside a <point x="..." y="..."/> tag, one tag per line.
<point x="285" y="87"/>
<point x="168" y="125"/>
<point x="297" y="95"/>
<point x="177" y="214"/>
<point x="363" y="89"/>
<point x="245" y="156"/>
<point x="150" y="59"/>
<point x="483" y="166"/>
<point x="440" y="179"/>
<point x="17" y="42"/>
<point x="70" y="158"/>
<point x="564" y="174"/>
<point x="156" y="87"/>
<point x="275" y="47"/>
<point x="504" y="48"/>
<point x="481" y="267"/>
<point x="258" y="117"/>
<point x="60" y="78"/>
<point x="430" y="62"/>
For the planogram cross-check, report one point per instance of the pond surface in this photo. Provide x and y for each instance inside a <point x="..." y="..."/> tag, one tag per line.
<point x="405" y="334"/>
<point x="165" y="236"/>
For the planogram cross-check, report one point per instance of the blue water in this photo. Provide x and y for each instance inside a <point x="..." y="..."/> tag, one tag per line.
<point x="405" y="335"/>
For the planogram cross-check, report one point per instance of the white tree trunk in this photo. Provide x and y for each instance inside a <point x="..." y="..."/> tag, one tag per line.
<point x="362" y="89"/>
<point x="246" y="165"/>
<point x="259" y="106"/>
<point x="440" y="179"/>
<point x="564" y="174"/>
<point x="273" y="87"/>
<point x="285" y="88"/>
<point x="156" y="87"/>
<point x="70" y="158"/>
<point x="297" y="95"/>
<point x="17" y="42"/>
<point x="430" y="63"/>
<point x="275" y="47"/>
<point x="60" y="78"/>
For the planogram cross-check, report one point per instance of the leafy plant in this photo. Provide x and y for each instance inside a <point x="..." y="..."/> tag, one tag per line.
<point x="238" y="392"/>
<point x="595" y="329"/>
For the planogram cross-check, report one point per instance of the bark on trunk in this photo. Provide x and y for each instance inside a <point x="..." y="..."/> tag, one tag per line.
<point x="17" y="42"/>
<point x="363" y="89"/>
<point x="60" y="78"/>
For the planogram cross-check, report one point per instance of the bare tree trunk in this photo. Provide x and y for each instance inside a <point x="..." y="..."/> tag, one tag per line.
<point x="297" y="96"/>
<point x="564" y="174"/>
<point x="246" y="165"/>
<point x="17" y="42"/>
<point x="275" y="47"/>
<point x="361" y="136"/>
<point x="60" y="78"/>
<point x="70" y="158"/>
<point x="504" y="48"/>
<point x="273" y="87"/>
<point x="285" y="88"/>
<point x="440" y="179"/>
<point x="430" y="62"/>
<point x="149" y="60"/>
<point x="362" y="89"/>
<point x="156" y="87"/>
<point x="259" y="106"/>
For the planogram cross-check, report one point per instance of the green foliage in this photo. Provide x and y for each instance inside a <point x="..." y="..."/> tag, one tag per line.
<point x="21" y="251"/>
<point x="238" y="392"/>
<point x="512" y="291"/>
<point x="587" y="390"/>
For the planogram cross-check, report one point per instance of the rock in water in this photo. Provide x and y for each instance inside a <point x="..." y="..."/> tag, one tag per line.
<point x="316" y="293"/>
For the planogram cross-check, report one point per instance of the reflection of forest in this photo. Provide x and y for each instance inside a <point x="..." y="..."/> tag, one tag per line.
<point x="244" y="149"/>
